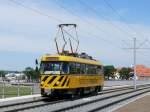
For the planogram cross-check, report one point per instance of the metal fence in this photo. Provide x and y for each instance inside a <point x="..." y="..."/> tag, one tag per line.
<point x="18" y="88"/>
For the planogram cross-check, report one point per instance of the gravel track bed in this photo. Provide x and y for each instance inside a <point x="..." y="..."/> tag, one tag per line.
<point x="81" y="104"/>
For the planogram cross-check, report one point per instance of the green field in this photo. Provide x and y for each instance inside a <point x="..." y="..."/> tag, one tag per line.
<point x="11" y="91"/>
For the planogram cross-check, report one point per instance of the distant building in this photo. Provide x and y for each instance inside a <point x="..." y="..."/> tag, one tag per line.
<point x="13" y="77"/>
<point x="117" y="76"/>
<point x="143" y="72"/>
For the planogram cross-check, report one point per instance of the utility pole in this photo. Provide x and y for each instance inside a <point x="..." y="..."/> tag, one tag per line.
<point x="134" y="57"/>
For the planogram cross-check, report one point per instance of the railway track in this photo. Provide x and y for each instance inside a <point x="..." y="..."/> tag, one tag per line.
<point x="95" y="102"/>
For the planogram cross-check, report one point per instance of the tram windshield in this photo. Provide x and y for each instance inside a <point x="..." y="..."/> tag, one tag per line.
<point x="54" y="67"/>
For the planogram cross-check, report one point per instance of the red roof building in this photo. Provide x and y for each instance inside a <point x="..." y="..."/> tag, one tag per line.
<point x="142" y="72"/>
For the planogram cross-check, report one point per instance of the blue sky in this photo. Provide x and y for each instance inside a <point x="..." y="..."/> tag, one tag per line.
<point x="26" y="35"/>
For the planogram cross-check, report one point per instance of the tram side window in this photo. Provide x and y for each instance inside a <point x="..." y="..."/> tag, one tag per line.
<point x="91" y="69"/>
<point x="83" y="69"/>
<point x="102" y="70"/>
<point x="99" y="70"/>
<point x="78" y="68"/>
<point x="65" y="68"/>
<point x="72" y="67"/>
<point x="94" y="69"/>
<point x="88" y="69"/>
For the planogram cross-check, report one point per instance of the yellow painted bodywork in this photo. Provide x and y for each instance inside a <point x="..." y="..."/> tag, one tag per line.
<point x="70" y="59"/>
<point x="70" y="81"/>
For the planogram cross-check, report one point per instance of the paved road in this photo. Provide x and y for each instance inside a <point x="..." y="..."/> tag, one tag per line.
<point x="140" y="105"/>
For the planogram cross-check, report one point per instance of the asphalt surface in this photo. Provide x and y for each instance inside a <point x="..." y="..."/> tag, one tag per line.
<point x="140" y="105"/>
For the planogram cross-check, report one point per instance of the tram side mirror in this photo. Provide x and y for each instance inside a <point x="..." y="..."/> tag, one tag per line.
<point x="37" y="65"/>
<point x="36" y="62"/>
<point x="37" y="71"/>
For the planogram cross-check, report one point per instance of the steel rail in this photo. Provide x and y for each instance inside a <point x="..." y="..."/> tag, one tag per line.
<point x="100" y="99"/>
<point x="46" y="98"/>
<point x="120" y="88"/>
<point x="118" y="101"/>
<point x="61" y="101"/>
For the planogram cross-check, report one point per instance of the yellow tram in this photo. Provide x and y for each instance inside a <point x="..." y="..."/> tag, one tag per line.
<point x="70" y="75"/>
<point x="70" y="72"/>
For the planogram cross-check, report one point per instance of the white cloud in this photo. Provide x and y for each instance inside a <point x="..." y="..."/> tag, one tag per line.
<point x="26" y="31"/>
<point x="11" y="43"/>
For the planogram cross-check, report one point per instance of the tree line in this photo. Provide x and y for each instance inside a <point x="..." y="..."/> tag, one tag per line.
<point x="125" y="73"/>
